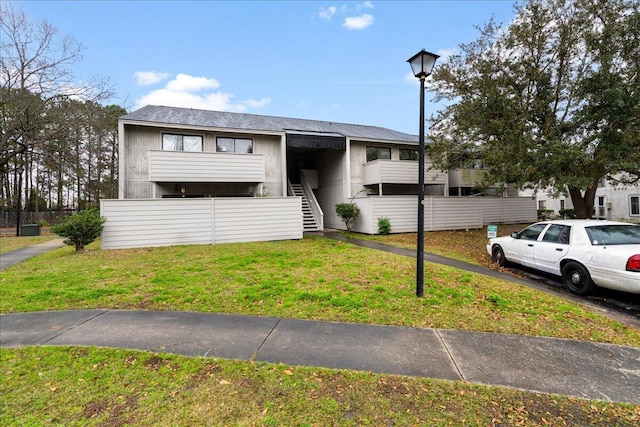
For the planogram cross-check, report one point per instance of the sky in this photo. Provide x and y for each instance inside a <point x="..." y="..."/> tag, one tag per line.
<point x="339" y="61"/>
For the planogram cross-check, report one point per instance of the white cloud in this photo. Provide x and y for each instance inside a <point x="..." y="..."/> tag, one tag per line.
<point x="187" y="83"/>
<point x="146" y="78"/>
<point x="358" y="22"/>
<point x="365" y="5"/>
<point x="327" y="13"/>
<point x="196" y="92"/>
<point x="446" y="53"/>
<point x="257" y="103"/>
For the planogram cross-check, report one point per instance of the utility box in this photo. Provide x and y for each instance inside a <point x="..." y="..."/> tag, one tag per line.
<point x="30" y="230"/>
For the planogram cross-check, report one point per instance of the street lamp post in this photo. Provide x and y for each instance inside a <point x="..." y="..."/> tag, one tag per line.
<point x="422" y="64"/>
<point x="19" y="169"/>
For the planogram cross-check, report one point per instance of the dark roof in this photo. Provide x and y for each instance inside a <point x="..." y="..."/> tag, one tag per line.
<point x="253" y="122"/>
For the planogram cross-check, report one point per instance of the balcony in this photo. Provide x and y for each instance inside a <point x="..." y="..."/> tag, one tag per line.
<point x="399" y="172"/>
<point x="189" y="166"/>
<point x="465" y="177"/>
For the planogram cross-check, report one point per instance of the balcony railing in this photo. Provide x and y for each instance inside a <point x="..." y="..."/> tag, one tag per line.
<point x="465" y="177"/>
<point x="189" y="166"/>
<point x="399" y="172"/>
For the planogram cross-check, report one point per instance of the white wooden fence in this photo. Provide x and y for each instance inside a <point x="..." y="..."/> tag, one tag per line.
<point x="135" y="223"/>
<point x="442" y="213"/>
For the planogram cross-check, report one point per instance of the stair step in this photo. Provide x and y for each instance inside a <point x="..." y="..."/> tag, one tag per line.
<point x="309" y="222"/>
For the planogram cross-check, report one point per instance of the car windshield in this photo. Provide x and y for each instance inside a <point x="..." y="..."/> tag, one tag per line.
<point x="614" y="234"/>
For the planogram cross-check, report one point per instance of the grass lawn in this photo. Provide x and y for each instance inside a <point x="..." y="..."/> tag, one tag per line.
<point x="106" y="387"/>
<point x="463" y="245"/>
<point x="314" y="278"/>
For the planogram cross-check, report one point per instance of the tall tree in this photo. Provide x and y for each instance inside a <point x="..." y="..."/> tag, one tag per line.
<point x="549" y="101"/>
<point x="35" y="70"/>
<point x="41" y="105"/>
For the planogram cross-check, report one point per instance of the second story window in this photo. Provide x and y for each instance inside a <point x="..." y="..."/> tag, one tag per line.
<point x="234" y="145"/>
<point x="409" y="154"/>
<point x="172" y="142"/>
<point x="375" y="153"/>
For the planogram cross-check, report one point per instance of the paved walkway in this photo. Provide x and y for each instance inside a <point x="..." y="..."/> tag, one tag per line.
<point x="576" y="368"/>
<point x="548" y="365"/>
<point x="8" y="259"/>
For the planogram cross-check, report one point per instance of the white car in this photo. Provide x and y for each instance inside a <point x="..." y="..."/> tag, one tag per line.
<point x="586" y="253"/>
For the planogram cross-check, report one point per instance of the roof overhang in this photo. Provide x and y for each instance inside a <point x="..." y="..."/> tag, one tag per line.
<point x="315" y="140"/>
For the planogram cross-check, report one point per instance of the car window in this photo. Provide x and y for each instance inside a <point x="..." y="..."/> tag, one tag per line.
<point x="614" y="234"/>
<point x="557" y="234"/>
<point x="532" y="232"/>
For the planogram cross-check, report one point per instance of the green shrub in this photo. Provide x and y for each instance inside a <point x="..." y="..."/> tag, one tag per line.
<point x="567" y="213"/>
<point x="348" y="213"/>
<point x="384" y="225"/>
<point x="80" y="228"/>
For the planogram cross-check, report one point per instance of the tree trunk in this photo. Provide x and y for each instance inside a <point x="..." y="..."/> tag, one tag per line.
<point x="583" y="204"/>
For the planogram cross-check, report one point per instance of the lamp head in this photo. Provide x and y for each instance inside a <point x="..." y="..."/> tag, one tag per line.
<point x="422" y="63"/>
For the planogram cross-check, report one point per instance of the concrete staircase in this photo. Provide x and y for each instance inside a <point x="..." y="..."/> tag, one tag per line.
<point x="308" y="220"/>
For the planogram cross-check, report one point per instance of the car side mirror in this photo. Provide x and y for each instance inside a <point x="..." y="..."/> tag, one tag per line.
<point x="514" y="234"/>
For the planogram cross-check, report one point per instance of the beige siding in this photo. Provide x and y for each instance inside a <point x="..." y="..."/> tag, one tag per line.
<point x="452" y="213"/>
<point x="270" y="148"/>
<point x="185" y="166"/>
<point x="257" y="219"/>
<point x="331" y="185"/>
<point x="138" y="141"/>
<point x="165" y="222"/>
<point x="156" y="222"/>
<point x="511" y="210"/>
<point x="441" y="213"/>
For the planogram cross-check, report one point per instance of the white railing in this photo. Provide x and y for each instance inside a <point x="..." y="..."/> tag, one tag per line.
<point x="313" y="202"/>
<point x="189" y="166"/>
<point x="466" y="177"/>
<point x="399" y="172"/>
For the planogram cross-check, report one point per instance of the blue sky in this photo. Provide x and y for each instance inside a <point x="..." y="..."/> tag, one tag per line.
<point x="342" y="61"/>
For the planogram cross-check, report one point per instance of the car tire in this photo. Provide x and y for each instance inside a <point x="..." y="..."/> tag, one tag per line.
<point x="577" y="278"/>
<point x="497" y="256"/>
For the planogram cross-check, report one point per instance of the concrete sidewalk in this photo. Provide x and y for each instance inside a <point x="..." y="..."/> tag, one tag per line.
<point x="547" y="365"/>
<point x="8" y="259"/>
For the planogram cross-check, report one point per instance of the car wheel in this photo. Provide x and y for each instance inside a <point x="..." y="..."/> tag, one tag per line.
<point x="497" y="256"/>
<point x="576" y="277"/>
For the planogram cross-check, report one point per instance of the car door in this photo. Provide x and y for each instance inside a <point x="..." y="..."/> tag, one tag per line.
<point x="551" y="248"/>
<point x="521" y="248"/>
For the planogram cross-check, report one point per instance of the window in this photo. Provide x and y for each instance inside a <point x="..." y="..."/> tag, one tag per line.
<point x="234" y="145"/>
<point x="599" y="209"/>
<point x="562" y="204"/>
<point x="409" y="154"/>
<point x="532" y="232"/>
<point x="375" y="153"/>
<point x="614" y="234"/>
<point x="634" y="205"/>
<point x="172" y="142"/>
<point x="542" y="205"/>
<point x="557" y="234"/>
